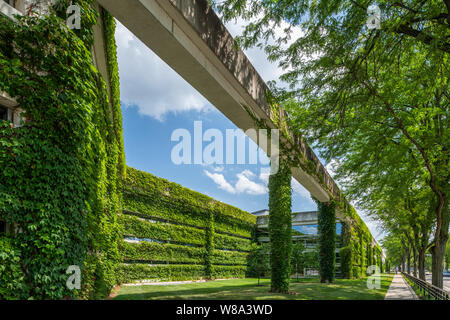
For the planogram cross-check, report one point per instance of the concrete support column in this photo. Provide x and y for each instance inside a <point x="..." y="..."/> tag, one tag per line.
<point x="327" y="240"/>
<point x="280" y="227"/>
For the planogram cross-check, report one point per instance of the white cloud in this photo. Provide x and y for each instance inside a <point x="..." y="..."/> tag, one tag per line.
<point x="244" y="184"/>
<point x="149" y="83"/>
<point x="264" y="175"/>
<point x="220" y="180"/>
<point x="247" y="173"/>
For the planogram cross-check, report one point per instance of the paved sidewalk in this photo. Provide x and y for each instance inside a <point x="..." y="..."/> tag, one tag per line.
<point x="400" y="290"/>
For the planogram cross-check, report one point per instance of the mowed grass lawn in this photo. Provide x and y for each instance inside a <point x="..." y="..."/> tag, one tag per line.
<point x="246" y="289"/>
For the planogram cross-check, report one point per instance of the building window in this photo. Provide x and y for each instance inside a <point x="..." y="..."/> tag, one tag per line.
<point x="2" y="227"/>
<point x="3" y="113"/>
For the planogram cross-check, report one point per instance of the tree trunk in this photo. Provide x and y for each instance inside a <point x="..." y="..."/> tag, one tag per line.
<point x="408" y="262"/>
<point x="438" y="252"/>
<point x="415" y="258"/>
<point x="422" y="262"/>
<point x="437" y="263"/>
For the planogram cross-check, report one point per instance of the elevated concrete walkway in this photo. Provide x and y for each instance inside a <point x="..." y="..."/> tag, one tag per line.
<point x="400" y="290"/>
<point x="191" y="39"/>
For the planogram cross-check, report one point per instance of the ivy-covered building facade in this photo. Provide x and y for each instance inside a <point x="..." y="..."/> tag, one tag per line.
<point x="61" y="154"/>
<point x="173" y="233"/>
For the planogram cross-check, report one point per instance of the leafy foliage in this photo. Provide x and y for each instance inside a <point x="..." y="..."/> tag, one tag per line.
<point x="258" y="260"/>
<point x="374" y="101"/>
<point x="109" y="27"/>
<point x="12" y="284"/>
<point x="153" y="197"/>
<point x="182" y="226"/>
<point x="327" y="240"/>
<point x="139" y="271"/>
<point x="280" y="227"/>
<point x="59" y="170"/>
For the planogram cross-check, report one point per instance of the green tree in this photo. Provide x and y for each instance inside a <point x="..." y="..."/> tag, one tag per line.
<point x="407" y="211"/>
<point x="298" y="257"/>
<point x="311" y="258"/>
<point x="258" y="261"/>
<point x="375" y="101"/>
<point x="394" y="250"/>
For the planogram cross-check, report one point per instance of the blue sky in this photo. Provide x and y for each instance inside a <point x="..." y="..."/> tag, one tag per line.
<point x="156" y="101"/>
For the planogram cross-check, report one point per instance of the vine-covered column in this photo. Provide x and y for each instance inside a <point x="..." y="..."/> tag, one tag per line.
<point x="327" y="240"/>
<point x="280" y="227"/>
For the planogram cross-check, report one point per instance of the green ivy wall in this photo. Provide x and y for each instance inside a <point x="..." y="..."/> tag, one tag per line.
<point x="61" y="171"/>
<point x="358" y="251"/>
<point x="173" y="233"/>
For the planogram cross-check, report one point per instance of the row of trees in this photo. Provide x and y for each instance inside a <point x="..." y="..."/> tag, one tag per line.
<point x="259" y="259"/>
<point x="374" y="101"/>
<point x="405" y="256"/>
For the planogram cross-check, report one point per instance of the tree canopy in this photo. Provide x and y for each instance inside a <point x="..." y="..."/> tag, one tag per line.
<point x="374" y="101"/>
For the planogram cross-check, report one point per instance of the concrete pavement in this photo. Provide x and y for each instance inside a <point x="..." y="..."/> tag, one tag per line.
<point x="400" y="290"/>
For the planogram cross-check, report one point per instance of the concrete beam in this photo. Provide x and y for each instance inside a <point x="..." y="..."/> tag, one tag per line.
<point x="192" y="40"/>
<point x="8" y="10"/>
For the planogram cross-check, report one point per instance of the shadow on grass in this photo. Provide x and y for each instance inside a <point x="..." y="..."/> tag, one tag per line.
<point x="181" y="292"/>
<point x="342" y="289"/>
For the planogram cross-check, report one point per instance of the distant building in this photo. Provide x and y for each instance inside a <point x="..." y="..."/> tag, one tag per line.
<point x="304" y="228"/>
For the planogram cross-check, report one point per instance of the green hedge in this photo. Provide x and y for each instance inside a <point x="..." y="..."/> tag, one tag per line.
<point x="190" y="218"/>
<point x="155" y="205"/>
<point x="136" y="227"/>
<point x="181" y="217"/>
<point x="147" y="207"/>
<point x="224" y="272"/>
<point x="131" y="272"/>
<point x="229" y="257"/>
<point x="158" y="197"/>
<point x="164" y="252"/>
<point x="232" y="243"/>
<point x="139" y="228"/>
